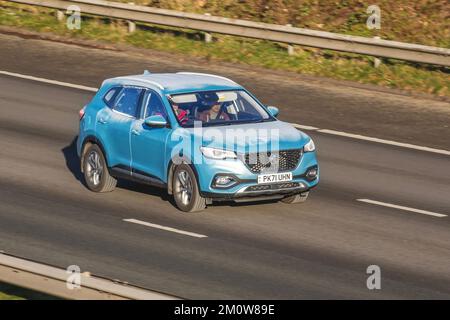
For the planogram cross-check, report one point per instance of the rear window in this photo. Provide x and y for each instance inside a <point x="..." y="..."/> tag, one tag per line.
<point x="110" y="96"/>
<point x="127" y="101"/>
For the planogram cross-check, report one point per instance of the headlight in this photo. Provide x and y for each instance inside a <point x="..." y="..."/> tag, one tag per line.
<point x="310" y="146"/>
<point x="213" y="153"/>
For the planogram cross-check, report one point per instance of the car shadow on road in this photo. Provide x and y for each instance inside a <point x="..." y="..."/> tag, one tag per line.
<point x="243" y="204"/>
<point x="145" y="189"/>
<point x="73" y="164"/>
<point x="72" y="160"/>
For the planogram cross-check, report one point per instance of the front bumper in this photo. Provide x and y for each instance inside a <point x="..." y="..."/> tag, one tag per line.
<point x="247" y="187"/>
<point x="247" y="194"/>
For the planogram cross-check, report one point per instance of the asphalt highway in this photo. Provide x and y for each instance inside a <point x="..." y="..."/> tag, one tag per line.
<point x="319" y="249"/>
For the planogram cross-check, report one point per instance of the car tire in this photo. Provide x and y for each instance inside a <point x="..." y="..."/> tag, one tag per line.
<point x="298" y="198"/>
<point x="185" y="190"/>
<point x="95" y="169"/>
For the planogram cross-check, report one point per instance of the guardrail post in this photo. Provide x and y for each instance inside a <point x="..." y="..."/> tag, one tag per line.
<point x="376" y="61"/>
<point x="60" y="15"/>
<point x="208" y="36"/>
<point x="290" y="47"/>
<point x="131" y="26"/>
<point x="291" y="50"/>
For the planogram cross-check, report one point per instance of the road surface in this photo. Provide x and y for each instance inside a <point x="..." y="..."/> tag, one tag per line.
<point x="320" y="249"/>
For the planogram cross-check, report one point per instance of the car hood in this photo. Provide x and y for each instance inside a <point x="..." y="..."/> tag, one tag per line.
<point x="242" y="138"/>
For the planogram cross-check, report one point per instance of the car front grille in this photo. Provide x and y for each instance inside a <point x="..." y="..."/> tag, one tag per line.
<point x="271" y="162"/>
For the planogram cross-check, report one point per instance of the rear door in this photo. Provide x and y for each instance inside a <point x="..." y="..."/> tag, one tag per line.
<point x="114" y="125"/>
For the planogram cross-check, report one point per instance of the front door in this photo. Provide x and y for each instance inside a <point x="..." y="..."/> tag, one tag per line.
<point x="148" y="145"/>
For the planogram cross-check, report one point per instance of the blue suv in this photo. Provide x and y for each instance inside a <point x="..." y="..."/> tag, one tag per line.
<point x="201" y="137"/>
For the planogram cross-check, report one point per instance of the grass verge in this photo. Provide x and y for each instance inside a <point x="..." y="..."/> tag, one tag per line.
<point x="424" y="22"/>
<point x="392" y="73"/>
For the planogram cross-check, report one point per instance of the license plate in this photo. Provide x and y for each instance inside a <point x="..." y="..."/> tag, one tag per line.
<point x="275" y="177"/>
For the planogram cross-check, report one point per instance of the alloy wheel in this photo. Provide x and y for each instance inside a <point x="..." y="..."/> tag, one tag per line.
<point x="184" y="187"/>
<point x="94" y="168"/>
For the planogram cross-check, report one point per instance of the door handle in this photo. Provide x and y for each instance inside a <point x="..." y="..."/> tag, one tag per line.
<point x="135" y="132"/>
<point x="102" y="121"/>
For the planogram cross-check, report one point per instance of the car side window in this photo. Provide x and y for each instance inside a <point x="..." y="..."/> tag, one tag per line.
<point x="153" y="105"/>
<point x="127" y="101"/>
<point x="110" y="96"/>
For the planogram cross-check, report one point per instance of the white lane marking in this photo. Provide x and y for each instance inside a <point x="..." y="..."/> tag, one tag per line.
<point x="58" y="83"/>
<point x="378" y="140"/>
<point x="390" y="205"/>
<point x="299" y="126"/>
<point x="390" y="142"/>
<point x="157" y="226"/>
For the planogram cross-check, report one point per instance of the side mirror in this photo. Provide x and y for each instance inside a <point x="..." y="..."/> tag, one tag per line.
<point x="156" y="121"/>
<point x="273" y="111"/>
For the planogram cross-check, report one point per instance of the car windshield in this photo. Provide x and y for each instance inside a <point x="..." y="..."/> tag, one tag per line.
<point x="214" y="108"/>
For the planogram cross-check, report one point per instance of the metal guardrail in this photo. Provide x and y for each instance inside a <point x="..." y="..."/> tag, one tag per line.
<point x="250" y="29"/>
<point x="52" y="281"/>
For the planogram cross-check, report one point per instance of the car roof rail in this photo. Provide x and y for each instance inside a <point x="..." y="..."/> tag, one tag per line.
<point x="160" y="86"/>
<point x="206" y="74"/>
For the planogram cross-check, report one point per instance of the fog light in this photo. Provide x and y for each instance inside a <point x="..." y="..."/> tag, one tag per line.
<point x="311" y="174"/>
<point x="223" y="181"/>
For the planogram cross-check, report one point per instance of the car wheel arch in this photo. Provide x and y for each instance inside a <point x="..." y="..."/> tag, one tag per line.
<point x="88" y="141"/>
<point x="171" y="169"/>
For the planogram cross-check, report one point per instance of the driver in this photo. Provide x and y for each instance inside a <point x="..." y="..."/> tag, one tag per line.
<point x="213" y="113"/>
